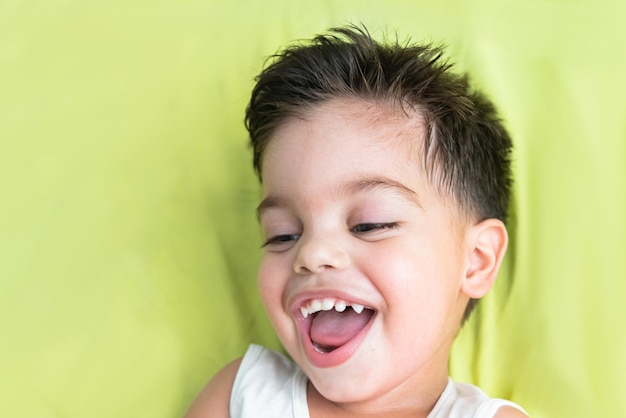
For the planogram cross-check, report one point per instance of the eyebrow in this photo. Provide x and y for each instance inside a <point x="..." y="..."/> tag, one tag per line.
<point x="351" y="188"/>
<point x="383" y="183"/>
<point x="268" y="203"/>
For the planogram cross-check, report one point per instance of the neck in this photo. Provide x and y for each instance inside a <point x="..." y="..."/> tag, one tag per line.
<point x="394" y="404"/>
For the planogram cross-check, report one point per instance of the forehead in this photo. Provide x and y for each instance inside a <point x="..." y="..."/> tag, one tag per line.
<point x="343" y="142"/>
<point x="378" y="126"/>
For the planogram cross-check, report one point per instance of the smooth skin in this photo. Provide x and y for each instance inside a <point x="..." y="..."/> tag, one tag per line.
<point x="346" y="208"/>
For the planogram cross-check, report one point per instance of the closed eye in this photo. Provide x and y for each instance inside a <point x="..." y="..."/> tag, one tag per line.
<point x="281" y="239"/>
<point x="372" y="227"/>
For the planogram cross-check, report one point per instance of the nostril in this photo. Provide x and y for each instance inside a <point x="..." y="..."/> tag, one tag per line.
<point x="302" y="270"/>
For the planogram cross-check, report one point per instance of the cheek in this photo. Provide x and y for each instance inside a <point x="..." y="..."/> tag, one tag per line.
<point x="270" y="284"/>
<point x="393" y="272"/>
<point x="413" y="280"/>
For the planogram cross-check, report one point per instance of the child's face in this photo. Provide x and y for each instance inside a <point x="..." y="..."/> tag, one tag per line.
<point x="350" y="219"/>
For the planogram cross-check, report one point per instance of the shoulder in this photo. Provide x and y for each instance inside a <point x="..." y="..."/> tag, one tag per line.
<point x="509" y="412"/>
<point x="214" y="399"/>
<point x="270" y="379"/>
<point x="464" y="400"/>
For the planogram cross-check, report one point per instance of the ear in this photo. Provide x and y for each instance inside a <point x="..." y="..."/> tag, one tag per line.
<point x="487" y="243"/>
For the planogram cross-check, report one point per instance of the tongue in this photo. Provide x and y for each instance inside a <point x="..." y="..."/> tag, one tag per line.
<point x="333" y="329"/>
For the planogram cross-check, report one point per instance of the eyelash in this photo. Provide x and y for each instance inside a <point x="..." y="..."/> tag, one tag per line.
<point x="371" y="227"/>
<point x="357" y="229"/>
<point x="280" y="239"/>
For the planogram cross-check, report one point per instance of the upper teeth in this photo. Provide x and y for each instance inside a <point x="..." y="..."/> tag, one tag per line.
<point x="326" y="304"/>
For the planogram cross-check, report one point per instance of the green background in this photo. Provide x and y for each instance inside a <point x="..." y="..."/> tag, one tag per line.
<point x="128" y="244"/>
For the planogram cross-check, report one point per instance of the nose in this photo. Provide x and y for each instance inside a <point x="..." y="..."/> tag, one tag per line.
<point x="317" y="254"/>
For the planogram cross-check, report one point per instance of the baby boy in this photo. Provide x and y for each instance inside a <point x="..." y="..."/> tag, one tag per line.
<point x="385" y="181"/>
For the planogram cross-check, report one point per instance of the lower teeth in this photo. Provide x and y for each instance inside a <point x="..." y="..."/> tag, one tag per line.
<point x="323" y="349"/>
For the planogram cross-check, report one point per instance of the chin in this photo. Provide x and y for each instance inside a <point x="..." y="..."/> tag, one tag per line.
<point x="343" y="385"/>
<point x="340" y="391"/>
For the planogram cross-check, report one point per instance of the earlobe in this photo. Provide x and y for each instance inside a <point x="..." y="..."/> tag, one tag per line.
<point x="487" y="243"/>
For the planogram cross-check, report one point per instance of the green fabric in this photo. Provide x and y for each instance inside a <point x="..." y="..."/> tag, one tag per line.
<point x="128" y="244"/>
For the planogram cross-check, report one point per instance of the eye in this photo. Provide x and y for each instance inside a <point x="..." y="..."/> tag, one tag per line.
<point x="372" y="227"/>
<point x="281" y="239"/>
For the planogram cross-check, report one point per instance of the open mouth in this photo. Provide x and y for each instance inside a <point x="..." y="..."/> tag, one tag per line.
<point x="332" y="324"/>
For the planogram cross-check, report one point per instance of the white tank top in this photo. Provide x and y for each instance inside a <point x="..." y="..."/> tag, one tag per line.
<point x="270" y="385"/>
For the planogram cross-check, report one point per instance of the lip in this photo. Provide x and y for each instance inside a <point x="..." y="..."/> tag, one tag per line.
<point x="339" y="355"/>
